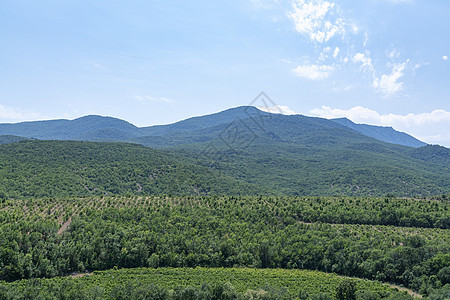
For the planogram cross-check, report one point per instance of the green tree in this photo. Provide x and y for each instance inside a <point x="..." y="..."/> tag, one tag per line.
<point x="346" y="290"/>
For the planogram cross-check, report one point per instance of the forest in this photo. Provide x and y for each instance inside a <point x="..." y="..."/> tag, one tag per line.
<point x="387" y="239"/>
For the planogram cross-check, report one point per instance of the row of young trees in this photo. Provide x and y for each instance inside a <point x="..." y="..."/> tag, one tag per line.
<point x="218" y="291"/>
<point x="225" y="232"/>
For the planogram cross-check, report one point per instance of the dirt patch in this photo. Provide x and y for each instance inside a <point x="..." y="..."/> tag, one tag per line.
<point x="65" y="226"/>
<point x="79" y="275"/>
<point x="410" y="292"/>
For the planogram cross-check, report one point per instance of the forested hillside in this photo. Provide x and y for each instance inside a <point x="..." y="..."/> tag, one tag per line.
<point x="259" y="151"/>
<point x="308" y="156"/>
<point x="385" y="134"/>
<point x="65" y="168"/>
<point x="405" y="241"/>
<point x="68" y="168"/>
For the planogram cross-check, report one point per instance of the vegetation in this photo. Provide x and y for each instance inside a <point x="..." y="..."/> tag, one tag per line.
<point x="9" y="139"/>
<point x="65" y="168"/>
<point x="46" y="238"/>
<point x="36" y="169"/>
<point x="201" y="283"/>
<point x="188" y="221"/>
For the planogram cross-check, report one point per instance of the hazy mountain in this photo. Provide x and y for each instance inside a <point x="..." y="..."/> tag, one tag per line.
<point x="84" y="128"/>
<point x="385" y="134"/>
<point x="294" y="155"/>
<point x="98" y="128"/>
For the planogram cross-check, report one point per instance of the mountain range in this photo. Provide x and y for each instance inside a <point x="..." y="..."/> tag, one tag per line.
<point x="258" y="151"/>
<point x="99" y="128"/>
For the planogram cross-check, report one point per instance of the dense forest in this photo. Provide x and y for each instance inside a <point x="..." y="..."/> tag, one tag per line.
<point x="36" y="169"/>
<point x="404" y="241"/>
<point x="66" y="168"/>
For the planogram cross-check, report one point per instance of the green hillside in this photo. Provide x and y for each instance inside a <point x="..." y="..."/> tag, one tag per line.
<point x="235" y="205"/>
<point x="9" y="139"/>
<point x="258" y="151"/>
<point x="298" y="155"/>
<point x="64" y="168"/>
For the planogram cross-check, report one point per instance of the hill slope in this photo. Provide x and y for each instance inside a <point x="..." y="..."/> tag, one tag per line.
<point x="310" y="156"/>
<point x="385" y="134"/>
<point x="67" y="168"/>
<point x="9" y="139"/>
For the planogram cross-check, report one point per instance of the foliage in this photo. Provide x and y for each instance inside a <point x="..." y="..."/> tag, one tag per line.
<point x="45" y="238"/>
<point x="196" y="283"/>
<point x="346" y="290"/>
<point x="64" y="168"/>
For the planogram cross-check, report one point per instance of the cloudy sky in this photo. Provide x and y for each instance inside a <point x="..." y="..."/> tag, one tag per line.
<point x="382" y="62"/>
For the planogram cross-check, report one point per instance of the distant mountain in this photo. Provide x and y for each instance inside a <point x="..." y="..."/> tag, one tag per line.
<point x="279" y="154"/>
<point x="310" y="156"/>
<point x="98" y="128"/>
<point x="385" y="134"/>
<point x="207" y="121"/>
<point x="84" y="128"/>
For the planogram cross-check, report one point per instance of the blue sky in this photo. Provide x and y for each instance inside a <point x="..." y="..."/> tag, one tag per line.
<point x="382" y="62"/>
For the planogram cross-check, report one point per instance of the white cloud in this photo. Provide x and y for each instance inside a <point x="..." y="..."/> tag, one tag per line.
<point x="419" y="125"/>
<point x="336" y="52"/>
<point x="365" y="61"/>
<point x="310" y="19"/>
<point x="445" y="57"/>
<point x="278" y="109"/>
<point x="366" y="39"/>
<point x="313" y="72"/>
<point x="393" y="54"/>
<point x="388" y="84"/>
<point x="16" y="114"/>
<point x="146" y="99"/>
<point x="322" y="20"/>
<point x="362" y="114"/>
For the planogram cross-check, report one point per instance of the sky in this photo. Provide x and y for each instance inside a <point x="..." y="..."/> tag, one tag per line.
<point x="380" y="62"/>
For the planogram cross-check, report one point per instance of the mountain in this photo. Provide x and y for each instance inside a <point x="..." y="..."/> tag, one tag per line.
<point x="300" y="155"/>
<point x="278" y="154"/>
<point x="84" y="128"/>
<point x="98" y="128"/>
<point x="207" y="121"/>
<point x="385" y="134"/>
<point x="432" y="153"/>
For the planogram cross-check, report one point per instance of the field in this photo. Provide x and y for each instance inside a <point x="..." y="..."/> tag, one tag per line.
<point x="289" y="283"/>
